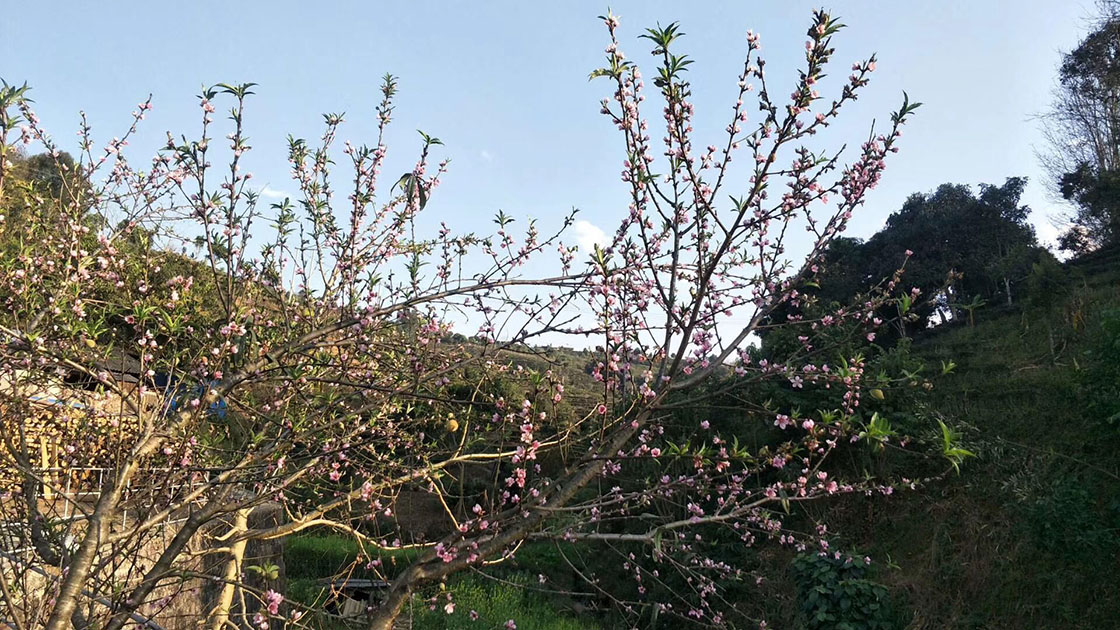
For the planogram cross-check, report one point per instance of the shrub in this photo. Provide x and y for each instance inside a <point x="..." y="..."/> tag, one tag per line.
<point x="1100" y="380"/>
<point x="1065" y="517"/>
<point x="834" y="594"/>
<point x="1047" y="283"/>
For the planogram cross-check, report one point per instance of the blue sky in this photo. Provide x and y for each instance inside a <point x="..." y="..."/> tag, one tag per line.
<point x="504" y="84"/>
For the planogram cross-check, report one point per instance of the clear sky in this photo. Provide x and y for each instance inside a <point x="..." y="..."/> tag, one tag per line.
<point x="504" y="84"/>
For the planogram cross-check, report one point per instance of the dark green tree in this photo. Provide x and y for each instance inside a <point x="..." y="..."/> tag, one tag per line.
<point x="964" y="248"/>
<point x="1096" y="194"/>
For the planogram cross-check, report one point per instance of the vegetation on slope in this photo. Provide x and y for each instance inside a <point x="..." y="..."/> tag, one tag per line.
<point x="1029" y="534"/>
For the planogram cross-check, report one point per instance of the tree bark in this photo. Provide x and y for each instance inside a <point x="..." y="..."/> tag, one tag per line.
<point x="219" y="614"/>
<point x="386" y="615"/>
<point x="78" y="569"/>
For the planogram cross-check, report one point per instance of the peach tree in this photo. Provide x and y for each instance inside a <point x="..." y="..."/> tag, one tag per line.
<point x="192" y="354"/>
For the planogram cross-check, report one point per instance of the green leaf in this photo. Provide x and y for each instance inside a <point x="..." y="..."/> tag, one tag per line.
<point x="949" y="448"/>
<point x="268" y="571"/>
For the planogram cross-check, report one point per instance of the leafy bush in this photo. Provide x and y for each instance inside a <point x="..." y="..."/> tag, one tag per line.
<point x="834" y="594"/>
<point x="307" y="591"/>
<point x="898" y="391"/>
<point x="1100" y="380"/>
<point x="318" y="556"/>
<point x="1047" y="283"/>
<point x="1065" y="517"/>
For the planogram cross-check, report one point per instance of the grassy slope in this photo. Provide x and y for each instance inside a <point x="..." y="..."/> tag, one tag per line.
<point x="1028" y="536"/>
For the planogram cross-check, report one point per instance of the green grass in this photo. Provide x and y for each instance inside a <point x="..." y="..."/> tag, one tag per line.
<point x="310" y="559"/>
<point x="496" y="603"/>
<point x="318" y="556"/>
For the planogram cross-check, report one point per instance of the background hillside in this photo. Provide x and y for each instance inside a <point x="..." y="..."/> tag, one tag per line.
<point x="1028" y="534"/>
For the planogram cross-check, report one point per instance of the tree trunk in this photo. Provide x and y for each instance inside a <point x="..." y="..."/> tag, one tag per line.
<point x="1007" y="289"/>
<point x="77" y="572"/>
<point x="386" y="615"/>
<point x="160" y="569"/>
<point x="219" y="614"/>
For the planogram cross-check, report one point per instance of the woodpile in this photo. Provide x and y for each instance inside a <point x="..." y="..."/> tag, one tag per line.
<point x="65" y="432"/>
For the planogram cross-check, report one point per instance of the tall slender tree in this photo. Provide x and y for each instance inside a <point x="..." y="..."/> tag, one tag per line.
<point x="1082" y="131"/>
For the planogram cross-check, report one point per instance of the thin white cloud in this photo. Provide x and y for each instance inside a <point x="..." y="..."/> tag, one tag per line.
<point x="588" y="235"/>
<point x="272" y="193"/>
<point x="486" y="156"/>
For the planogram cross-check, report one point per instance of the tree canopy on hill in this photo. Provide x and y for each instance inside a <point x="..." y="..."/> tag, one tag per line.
<point x="985" y="239"/>
<point x="40" y="183"/>
<point x="959" y="247"/>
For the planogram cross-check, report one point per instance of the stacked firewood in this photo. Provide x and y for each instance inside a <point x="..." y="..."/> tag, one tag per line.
<point x="65" y="435"/>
